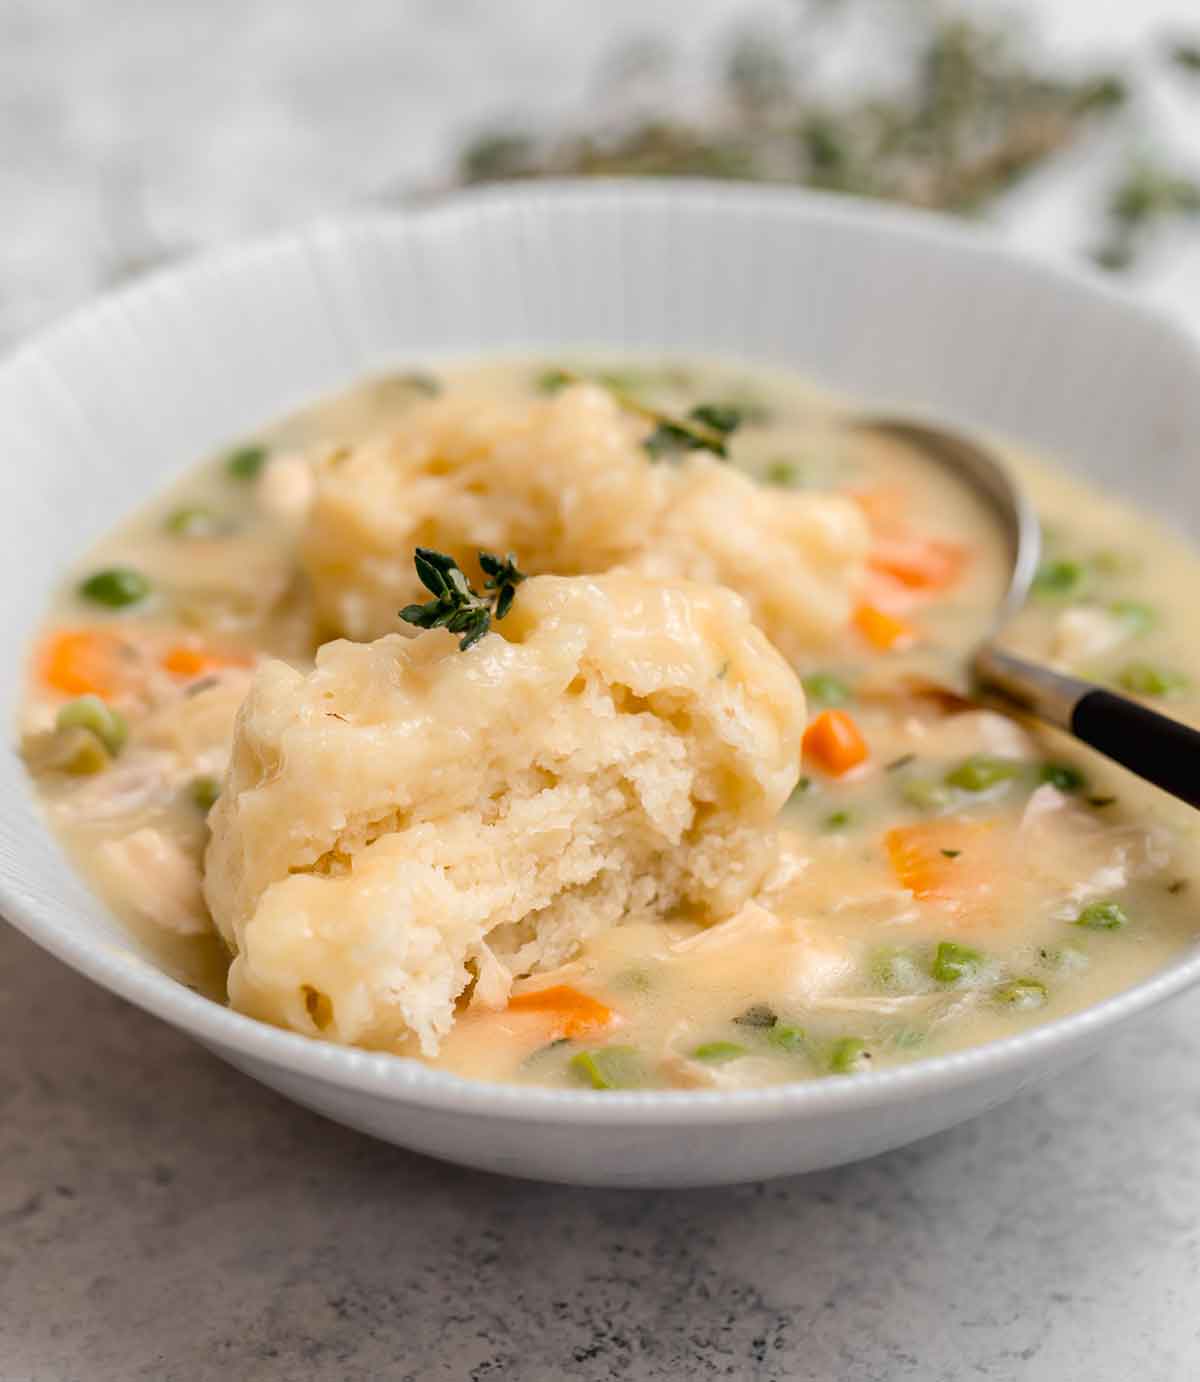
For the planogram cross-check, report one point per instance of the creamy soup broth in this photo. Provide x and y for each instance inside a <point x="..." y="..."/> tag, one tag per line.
<point x="971" y="876"/>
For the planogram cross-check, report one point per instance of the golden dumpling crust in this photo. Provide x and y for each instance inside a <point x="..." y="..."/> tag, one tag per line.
<point x="566" y="483"/>
<point x="618" y="750"/>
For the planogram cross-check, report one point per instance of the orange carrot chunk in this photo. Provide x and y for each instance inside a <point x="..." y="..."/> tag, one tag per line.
<point x="884" y="631"/>
<point x="919" y="563"/>
<point x="949" y="861"/>
<point x="835" y="743"/>
<point x="188" y="663"/>
<point x="574" y="1014"/>
<point x="85" y="662"/>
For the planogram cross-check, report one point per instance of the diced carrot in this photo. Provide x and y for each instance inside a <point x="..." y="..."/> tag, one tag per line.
<point x="882" y="507"/>
<point x="86" y="662"/>
<point x="189" y="663"/>
<point x="573" y="1014"/>
<point x="834" y="741"/>
<point x="949" y="861"/>
<point x="884" y="631"/>
<point x="919" y="563"/>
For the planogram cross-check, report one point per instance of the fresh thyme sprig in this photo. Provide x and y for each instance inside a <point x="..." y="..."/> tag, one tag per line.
<point x="706" y="427"/>
<point x="456" y="606"/>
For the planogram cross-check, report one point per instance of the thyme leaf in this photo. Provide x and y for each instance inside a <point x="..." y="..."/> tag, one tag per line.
<point x="456" y="605"/>
<point x="503" y="577"/>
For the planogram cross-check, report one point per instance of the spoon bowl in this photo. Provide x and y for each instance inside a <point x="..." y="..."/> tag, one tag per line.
<point x="991" y="480"/>
<point x="1155" y="747"/>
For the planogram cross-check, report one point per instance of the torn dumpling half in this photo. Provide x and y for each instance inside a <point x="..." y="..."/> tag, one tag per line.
<point x="410" y="818"/>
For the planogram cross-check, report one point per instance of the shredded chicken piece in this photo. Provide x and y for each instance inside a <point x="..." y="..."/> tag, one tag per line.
<point x="159" y="879"/>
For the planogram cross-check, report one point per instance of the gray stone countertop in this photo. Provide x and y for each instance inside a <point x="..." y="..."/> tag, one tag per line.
<point x="161" y="1217"/>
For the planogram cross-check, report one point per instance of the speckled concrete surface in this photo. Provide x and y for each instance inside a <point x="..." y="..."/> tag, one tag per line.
<point x="163" y="1218"/>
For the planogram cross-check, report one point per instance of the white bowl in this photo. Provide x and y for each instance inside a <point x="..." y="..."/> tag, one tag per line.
<point x="899" y="308"/>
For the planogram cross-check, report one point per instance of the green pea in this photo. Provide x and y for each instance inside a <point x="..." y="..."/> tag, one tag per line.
<point x="848" y="1055"/>
<point x="898" y="969"/>
<point x="1146" y="679"/>
<point x="194" y="521"/>
<point x="246" y="462"/>
<point x="838" y="820"/>
<point x="954" y="963"/>
<point x="609" y="1067"/>
<point x="718" y="1052"/>
<point x="1022" y="994"/>
<point x="757" y="1015"/>
<point x="787" y="1038"/>
<point x="203" y="792"/>
<point x="1139" y="617"/>
<point x="116" y="587"/>
<point x="1064" y="776"/>
<point x="91" y="713"/>
<point x="981" y="771"/>
<point x="1102" y="916"/>
<point x="826" y="689"/>
<point x="783" y="474"/>
<point x="925" y="794"/>
<point x="1058" y="580"/>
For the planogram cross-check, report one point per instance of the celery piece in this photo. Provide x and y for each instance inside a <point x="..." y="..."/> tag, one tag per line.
<point x="91" y="713"/>
<point x="981" y="771"/>
<point x="1021" y="994"/>
<point x="609" y="1067"/>
<point x="718" y="1052"/>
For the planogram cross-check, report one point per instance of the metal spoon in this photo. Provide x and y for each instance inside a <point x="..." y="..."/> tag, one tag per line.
<point x="1153" y="746"/>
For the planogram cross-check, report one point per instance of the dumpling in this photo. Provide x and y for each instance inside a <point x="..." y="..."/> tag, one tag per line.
<point x="561" y="481"/>
<point x="796" y="557"/>
<point x="406" y="812"/>
<point x="566" y="483"/>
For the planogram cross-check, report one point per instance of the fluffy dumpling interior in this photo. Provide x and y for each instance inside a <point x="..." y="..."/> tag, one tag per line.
<point x="407" y="811"/>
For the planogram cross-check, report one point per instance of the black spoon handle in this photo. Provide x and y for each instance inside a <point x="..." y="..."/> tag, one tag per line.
<point x="1153" y="746"/>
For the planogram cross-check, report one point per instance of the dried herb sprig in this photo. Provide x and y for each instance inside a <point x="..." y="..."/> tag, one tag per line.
<point x="1148" y="196"/>
<point x="975" y="112"/>
<point x="456" y="606"/>
<point x="1184" y="54"/>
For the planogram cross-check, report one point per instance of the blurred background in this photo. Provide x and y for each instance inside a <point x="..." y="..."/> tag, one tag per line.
<point x="138" y="131"/>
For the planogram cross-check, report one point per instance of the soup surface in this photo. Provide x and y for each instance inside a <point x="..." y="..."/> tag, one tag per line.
<point x="946" y="873"/>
